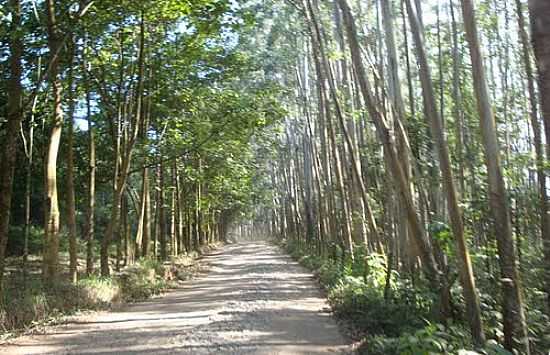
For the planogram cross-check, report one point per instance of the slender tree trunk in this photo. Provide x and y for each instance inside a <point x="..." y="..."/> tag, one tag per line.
<point x="540" y="26"/>
<point x="515" y="328"/>
<point x="455" y="212"/>
<point x="147" y="218"/>
<point x="28" y="185"/>
<point x="162" y="219"/>
<point x="51" y="205"/>
<point x="173" y="230"/>
<point x="70" y="194"/>
<point x="396" y="96"/>
<point x="124" y="160"/>
<point x="142" y="214"/>
<point x="8" y="152"/>
<point x="182" y="242"/>
<point x="418" y="232"/>
<point x="458" y="112"/>
<point x="90" y="213"/>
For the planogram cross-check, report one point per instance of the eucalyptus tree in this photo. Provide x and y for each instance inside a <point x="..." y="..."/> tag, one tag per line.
<point x="540" y="29"/>
<point x="515" y="327"/>
<point x="455" y="212"/>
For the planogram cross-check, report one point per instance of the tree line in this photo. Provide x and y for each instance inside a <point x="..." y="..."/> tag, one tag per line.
<point x="125" y="130"/>
<point x="416" y="130"/>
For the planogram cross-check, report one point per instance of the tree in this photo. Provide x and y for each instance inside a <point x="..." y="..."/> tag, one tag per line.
<point x="14" y="118"/>
<point x="540" y="26"/>
<point x="51" y="218"/>
<point x="455" y="212"/>
<point x="418" y="232"/>
<point x="515" y="327"/>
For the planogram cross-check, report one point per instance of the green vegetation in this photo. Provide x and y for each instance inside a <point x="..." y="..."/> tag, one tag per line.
<point x="400" y="321"/>
<point x="400" y="148"/>
<point x="28" y="304"/>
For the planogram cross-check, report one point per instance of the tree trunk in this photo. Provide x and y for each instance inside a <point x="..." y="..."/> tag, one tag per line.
<point x="70" y="194"/>
<point x="455" y="212"/>
<point x="90" y="213"/>
<point x="123" y="161"/>
<point x="173" y="230"/>
<point x="147" y="219"/>
<point x="142" y="214"/>
<point x="51" y="203"/>
<point x="418" y="232"/>
<point x="515" y="328"/>
<point x="29" y="148"/>
<point x="540" y="26"/>
<point x="14" y="117"/>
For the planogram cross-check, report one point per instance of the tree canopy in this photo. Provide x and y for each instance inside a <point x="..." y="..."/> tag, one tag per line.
<point x="400" y="145"/>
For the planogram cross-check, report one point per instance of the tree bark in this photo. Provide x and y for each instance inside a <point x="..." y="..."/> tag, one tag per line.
<point x="14" y="117"/>
<point x="515" y="328"/>
<point x="383" y="131"/>
<point x="90" y="212"/>
<point x="51" y="203"/>
<point x="70" y="194"/>
<point x="540" y="26"/>
<point x="455" y="212"/>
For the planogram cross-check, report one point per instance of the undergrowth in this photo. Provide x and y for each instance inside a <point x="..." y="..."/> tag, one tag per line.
<point x="398" y="319"/>
<point x="24" y="305"/>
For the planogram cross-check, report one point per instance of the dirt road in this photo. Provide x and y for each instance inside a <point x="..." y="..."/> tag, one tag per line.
<point x="253" y="300"/>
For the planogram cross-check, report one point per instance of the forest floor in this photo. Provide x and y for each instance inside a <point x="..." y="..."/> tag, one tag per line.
<point x="252" y="300"/>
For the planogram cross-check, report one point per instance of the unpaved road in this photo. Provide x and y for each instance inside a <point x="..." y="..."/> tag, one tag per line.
<point x="253" y="300"/>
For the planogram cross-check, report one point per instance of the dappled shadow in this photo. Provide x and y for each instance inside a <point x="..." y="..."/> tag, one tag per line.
<point x="253" y="301"/>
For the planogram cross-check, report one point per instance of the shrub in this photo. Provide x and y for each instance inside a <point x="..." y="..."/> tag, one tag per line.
<point x="142" y="280"/>
<point x="431" y="339"/>
<point x="23" y="305"/>
<point x="330" y="273"/>
<point x="367" y="309"/>
<point x="100" y="291"/>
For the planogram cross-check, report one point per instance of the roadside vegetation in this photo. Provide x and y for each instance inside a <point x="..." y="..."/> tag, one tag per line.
<point x="27" y="305"/>
<point x="399" y="147"/>
<point x="388" y="314"/>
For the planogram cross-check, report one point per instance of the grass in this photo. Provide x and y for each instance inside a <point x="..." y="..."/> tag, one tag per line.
<point x="26" y="305"/>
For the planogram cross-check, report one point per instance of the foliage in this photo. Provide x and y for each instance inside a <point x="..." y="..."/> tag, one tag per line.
<point x="430" y="340"/>
<point x="28" y="304"/>
<point x="402" y="324"/>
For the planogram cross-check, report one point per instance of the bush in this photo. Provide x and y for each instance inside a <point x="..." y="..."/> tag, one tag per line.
<point x="367" y="309"/>
<point x="431" y="339"/>
<point x="142" y="280"/>
<point x="23" y="305"/>
<point x="311" y="262"/>
<point x="330" y="273"/>
<point x="101" y="291"/>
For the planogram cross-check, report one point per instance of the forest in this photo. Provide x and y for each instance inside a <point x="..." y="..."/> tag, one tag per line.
<point x="398" y="149"/>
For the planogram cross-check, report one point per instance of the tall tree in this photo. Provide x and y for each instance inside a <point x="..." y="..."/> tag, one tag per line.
<point x="515" y="327"/>
<point x="455" y="212"/>
<point x="70" y="195"/>
<point x="90" y="200"/>
<point x="51" y="205"/>
<point x="417" y="230"/>
<point x="14" y="118"/>
<point x="540" y="26"/>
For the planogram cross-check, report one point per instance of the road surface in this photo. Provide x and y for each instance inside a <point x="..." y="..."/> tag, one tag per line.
<point x="253" y="300"/>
